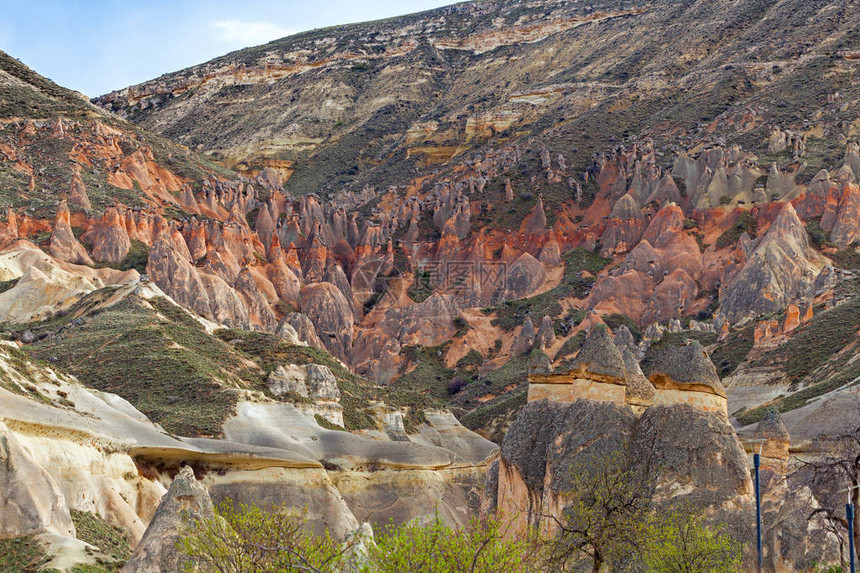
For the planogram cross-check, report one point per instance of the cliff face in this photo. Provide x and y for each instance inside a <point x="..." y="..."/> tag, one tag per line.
<point x="675" y="442"/>
<point x="72" y="450"/>
<point x="368" y="103"/>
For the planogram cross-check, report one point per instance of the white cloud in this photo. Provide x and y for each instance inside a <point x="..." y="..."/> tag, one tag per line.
<point x="242" y="34"/>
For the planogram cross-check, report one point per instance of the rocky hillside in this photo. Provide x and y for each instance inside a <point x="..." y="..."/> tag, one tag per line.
<point x="373" y="227"/>
<point x="549" y="160"/>
<point x="384" y="103"/>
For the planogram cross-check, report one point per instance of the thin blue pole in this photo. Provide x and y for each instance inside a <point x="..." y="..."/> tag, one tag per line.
<point x="757" y="464"/>
<point x="849" y="513"/>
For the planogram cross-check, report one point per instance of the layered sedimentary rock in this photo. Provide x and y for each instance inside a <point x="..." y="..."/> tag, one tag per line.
<point x="685" y="374"/>
<point x="598" y="373"/>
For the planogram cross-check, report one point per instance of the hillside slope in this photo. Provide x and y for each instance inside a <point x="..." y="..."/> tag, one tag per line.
<point x="474" y="181"/>
<point x="383" y="103"/>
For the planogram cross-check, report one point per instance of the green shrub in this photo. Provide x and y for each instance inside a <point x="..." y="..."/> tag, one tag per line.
<point x="242" y="538"/>
<point x="94" y="530"/>
<point x="745" y="224"/>
<point x="22" y="555"/>
<point x="480" y="547"/>
<point x="681" y="541"/>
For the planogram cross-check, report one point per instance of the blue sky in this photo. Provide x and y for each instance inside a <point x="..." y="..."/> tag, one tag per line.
<point x="95" y="46"/>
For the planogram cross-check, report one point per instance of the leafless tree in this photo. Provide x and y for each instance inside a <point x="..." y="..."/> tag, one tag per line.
<point x="837" y="468"/>
<point x="605" y="512"/>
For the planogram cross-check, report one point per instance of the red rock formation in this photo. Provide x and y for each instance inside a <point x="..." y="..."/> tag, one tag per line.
<point x="624" y="228"/>
<point x="329" y="311"/>
<point x="109" y="237"/>
<point x="64" y="245"/>
<point x="78" y="194"/>
<point x="776" y="273"/>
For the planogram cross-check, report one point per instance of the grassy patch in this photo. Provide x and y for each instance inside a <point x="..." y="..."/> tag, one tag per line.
<point x="801" y="397"/>
<point x="421" y="289"/>
<point x="162" y="361"/>
<point x="818" y="237"/>
<point x="744" y="224"/>
<point x="733" y="350"/>
<point x="7" y="285"/>
<point x="512" y="313"/>
<point x="22" y="555"/>
<point x="484" y="404"/>
<point x="472" y="359"/>
<point x="572" y="345"/>
<point x="486" y="416"/>
<point x="94" y="530"/>
<point x="324" y="423"/>
<point x="269" y="351"/>
<point x="137" y="258"/>
<point x="815" y="343"/>
<point x="417" y="393"/>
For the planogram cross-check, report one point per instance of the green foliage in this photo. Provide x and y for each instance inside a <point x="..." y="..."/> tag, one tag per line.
<point x="94" y="530"/>
<point x="137" y="258"/>
<point x="572" y="345"/>
<point x="512" y="313"/>
<point x="479" y="547"/>
<point x="486" y="417"/>
<point x="425" y="386"/>
<point x="324" y="423"/>
<point x="680" y="541"/>
<point x="245" y="538"/>
<point x="813" y="344"/>
<point x="745" y="224"/>
<point x="250" y="539"/>
<point x="7" y="285"/>
<point x="818" y="237"/>
<point x="22" y="555"/>
<point x="471" y="360"/>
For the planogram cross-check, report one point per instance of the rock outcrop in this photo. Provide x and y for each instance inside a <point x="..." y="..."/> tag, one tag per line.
<point x="185" y="502"/>
<point x="685" y="374"/>
<point x="64" y="245"/>
<point x="330" y="313"/>
<point x="31" y="501"/>
<point x="777" y="272"/>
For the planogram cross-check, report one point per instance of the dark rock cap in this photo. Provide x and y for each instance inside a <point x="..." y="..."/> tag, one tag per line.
<point x="600" y="356"/>
<point x="771" y="427"/>
<point x="687" y="364"/>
